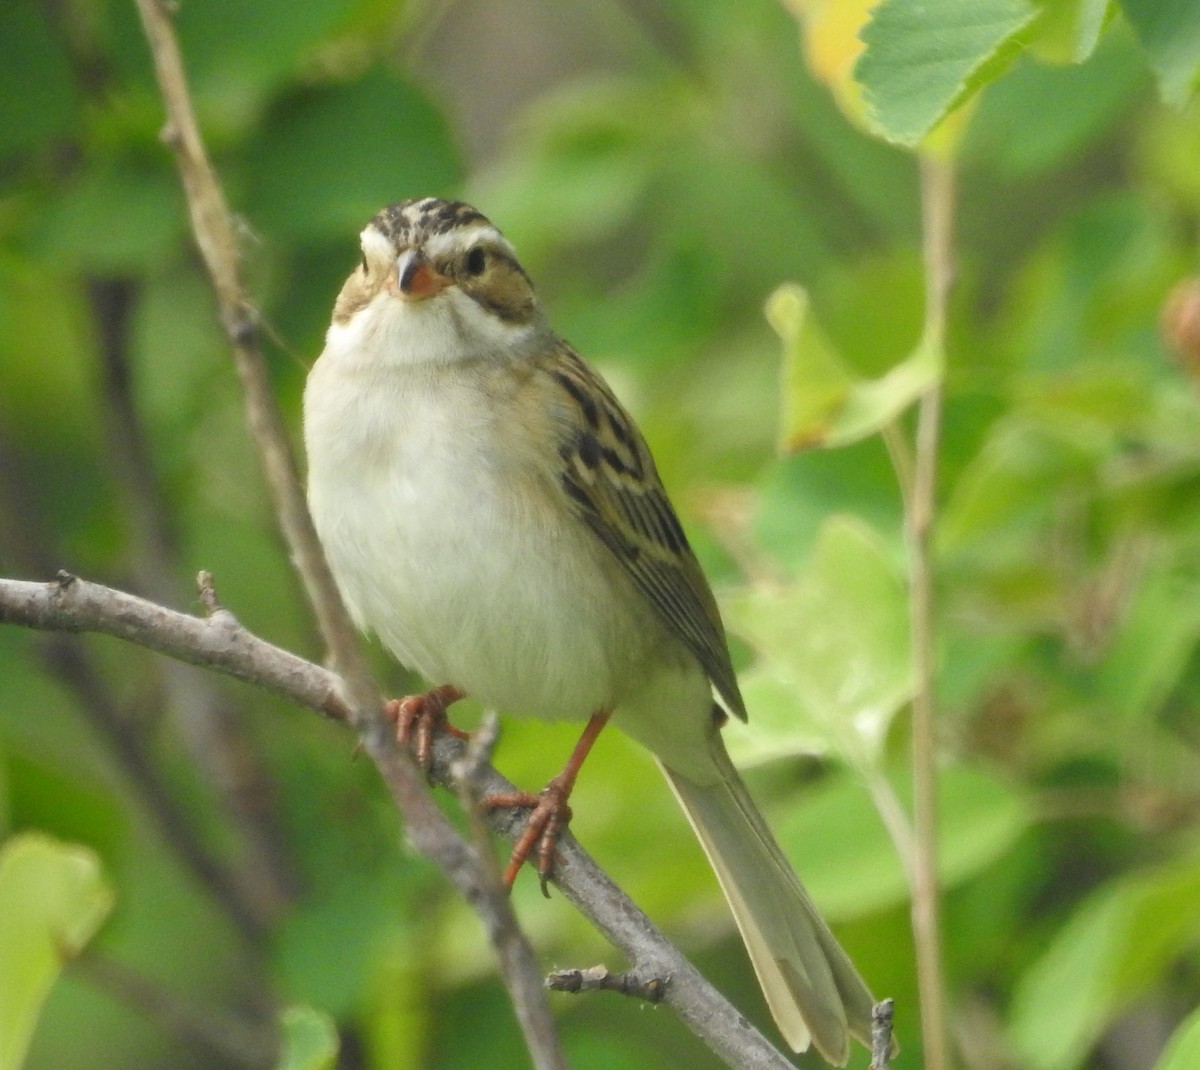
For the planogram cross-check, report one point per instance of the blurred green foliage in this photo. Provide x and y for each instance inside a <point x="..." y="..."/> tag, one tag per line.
<point x="662" y="169"/>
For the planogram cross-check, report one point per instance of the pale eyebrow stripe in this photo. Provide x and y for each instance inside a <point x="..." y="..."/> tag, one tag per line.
<point x="437" y="245"/>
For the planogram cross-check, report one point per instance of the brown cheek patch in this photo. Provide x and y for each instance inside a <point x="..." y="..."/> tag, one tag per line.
<point x="507" y="295"/>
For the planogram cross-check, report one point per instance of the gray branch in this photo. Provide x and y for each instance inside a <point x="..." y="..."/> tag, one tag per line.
<point x="219" y="642"/>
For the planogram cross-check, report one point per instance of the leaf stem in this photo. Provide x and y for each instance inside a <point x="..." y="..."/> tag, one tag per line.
<point x="937" y="202"/>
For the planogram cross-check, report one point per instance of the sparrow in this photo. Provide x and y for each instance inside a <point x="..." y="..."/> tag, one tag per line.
<point x="492" y="513"/>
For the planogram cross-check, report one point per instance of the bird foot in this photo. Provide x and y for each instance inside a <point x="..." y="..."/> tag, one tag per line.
<point x="548" y="817"/>
<point x="418" y="717"/>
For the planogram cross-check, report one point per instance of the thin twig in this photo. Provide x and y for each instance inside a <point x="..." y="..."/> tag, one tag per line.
<point x="216" y="237"/>
<point x="602" y="979"/>
<point x="221" y="643"/>
<point x="514" y="954"/>
<point x="206" y="588"/>
<point x="881" y="1034"/>
<point x="937" y="189"/>
<point x="901" y="458"/>
<point x="464" y="779"/>
<point x="895" y="818"/>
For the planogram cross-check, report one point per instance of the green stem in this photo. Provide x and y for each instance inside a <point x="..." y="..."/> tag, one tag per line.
<point x="937" y="196"/>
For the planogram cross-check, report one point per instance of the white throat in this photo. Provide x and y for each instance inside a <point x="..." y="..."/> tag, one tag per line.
<point x="443" y="329"/>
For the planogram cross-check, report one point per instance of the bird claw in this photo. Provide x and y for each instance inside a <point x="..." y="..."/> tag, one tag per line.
<point x="549" y="815"/>
<point x="548" y="810"/>
<point x="418" y="718"/>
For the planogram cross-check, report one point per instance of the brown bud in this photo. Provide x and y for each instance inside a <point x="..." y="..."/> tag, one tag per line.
<point x="1180" y="324"/>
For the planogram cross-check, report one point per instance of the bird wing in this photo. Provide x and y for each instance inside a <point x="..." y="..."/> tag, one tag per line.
<point x="612" y="484"/>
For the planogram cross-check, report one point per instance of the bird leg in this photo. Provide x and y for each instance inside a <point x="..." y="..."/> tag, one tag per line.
<point x="548" y="809"/>
<point x="417" y="717"/>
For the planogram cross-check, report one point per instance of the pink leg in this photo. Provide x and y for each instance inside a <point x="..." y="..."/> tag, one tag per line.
<point x="548" y="809"/>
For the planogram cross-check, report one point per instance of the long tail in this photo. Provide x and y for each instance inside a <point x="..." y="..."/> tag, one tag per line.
<point x="812" y="988"/>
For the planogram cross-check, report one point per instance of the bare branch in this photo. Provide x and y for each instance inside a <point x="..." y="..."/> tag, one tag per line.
<point x="602" y="979"/>
<point x="221" y="643"/>
<point x="429" y="830"/>
<point x="881" y="1034"/>
<point x="520" y="967"/>
<point x="216" y="237"/>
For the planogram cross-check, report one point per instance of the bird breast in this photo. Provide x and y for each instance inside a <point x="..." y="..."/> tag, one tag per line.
<point x="440" y="521"/>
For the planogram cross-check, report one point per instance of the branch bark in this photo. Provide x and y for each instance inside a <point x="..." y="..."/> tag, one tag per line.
<point x="216" y="238"/>
<point x="219" y="642"/>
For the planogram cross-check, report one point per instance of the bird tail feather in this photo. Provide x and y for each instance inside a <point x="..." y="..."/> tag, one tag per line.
<point x="811" y="987"/>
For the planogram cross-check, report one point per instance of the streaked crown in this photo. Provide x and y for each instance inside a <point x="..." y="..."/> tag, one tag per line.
<point x="414" y="221"/>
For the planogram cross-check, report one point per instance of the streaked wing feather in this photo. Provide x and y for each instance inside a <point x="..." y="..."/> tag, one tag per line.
<point x="613" y="486"/>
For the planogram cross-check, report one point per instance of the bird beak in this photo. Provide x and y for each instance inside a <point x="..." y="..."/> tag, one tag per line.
<point x="415" y="278"/>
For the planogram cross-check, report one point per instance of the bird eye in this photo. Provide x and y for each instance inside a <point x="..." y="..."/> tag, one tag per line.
<point x="475" y="261"/>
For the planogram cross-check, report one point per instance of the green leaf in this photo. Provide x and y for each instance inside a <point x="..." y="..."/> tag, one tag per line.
<point x="800" y="492"/>
<point x="1010" y="484"/>
<point x="1183" y="1051"/>
<point x="925" y="57"/>
<point x="834" y="642"/>
<point x="310" y="1040"/>
<point x="874" y="403"/>
<point x="823" y="403"/>
<point x="340" y="155"/>
<point x="1152" y="647"/>
<point x="53" y="897"/>
<point x="848" y="861"/>
<point x="1169" y="30"/>
<point x="815" y="382"/>
<point x="1124" y="938"/>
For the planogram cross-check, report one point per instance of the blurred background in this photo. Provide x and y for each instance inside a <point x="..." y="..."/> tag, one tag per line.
<point x="662" y="169"/>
